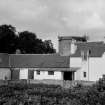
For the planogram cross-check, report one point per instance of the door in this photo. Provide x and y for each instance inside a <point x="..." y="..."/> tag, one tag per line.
<point x="68" y="75"/>
<point x="31" y="74"/>
<point x="15" y="74"/>
<point x="24" y="73"/>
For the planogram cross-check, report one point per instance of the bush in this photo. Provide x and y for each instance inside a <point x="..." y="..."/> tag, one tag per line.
<point x="41" y="94"/>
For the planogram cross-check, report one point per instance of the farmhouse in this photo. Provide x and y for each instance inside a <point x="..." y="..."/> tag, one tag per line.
<point x="88" y="57"/>
<point x="78" y="59"/>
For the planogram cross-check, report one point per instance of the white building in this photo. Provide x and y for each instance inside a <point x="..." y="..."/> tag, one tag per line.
<point x="88" y="57"/>
<point x="77" y="60"/>
<point x="39" y="66"/>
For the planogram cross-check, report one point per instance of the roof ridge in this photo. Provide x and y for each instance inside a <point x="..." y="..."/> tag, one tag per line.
<point x="91" y="42"/>
<point x="35" y="54"/>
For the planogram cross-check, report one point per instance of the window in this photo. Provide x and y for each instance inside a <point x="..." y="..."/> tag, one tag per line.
<point x="88" y="53"/>
<point x="50" y="72"/>
<point x="84" y="74"/>
<point x="84" y="56"/>
<point x="38" y="72"/>
<point x="31" y="74"/>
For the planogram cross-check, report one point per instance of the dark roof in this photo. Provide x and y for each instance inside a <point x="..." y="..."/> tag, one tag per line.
<point x="59" y="69"/>
<point x="39" y="60"/>
<point x="96" y="49"/>
<point x="77" y="38"/>
<point x="4" y="60"/>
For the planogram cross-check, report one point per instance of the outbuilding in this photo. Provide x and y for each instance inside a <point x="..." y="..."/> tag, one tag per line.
<point x="41" y="67"/>
<point x="5" y="72"/>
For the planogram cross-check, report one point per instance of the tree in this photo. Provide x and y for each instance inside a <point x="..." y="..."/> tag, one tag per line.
<point x="29" y="43"/>
<point x="49" y="47"/>
<point x="26" y="42"/>
<point x="8" y="39"/>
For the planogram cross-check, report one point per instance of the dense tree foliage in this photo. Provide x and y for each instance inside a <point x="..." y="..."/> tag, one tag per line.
<point x="8" y="39"/>
<point x="26" y="42"/>
<point x="48" y="46"/>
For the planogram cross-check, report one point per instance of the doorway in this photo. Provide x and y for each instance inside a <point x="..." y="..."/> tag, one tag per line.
<point x="68" y="75"/>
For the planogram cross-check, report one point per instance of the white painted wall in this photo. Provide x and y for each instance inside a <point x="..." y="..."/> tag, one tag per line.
<point x="96" y="68"/>
<point x="77" y="75"/>
<point x="44" y="75"/>
<point x="23" y="73"/>
<point x="76" y="62"/>
<point x="5" y="73"/>
<point x="85" y="68"/>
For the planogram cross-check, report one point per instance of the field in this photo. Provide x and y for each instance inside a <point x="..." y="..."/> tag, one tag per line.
<point x="41" y="94"/>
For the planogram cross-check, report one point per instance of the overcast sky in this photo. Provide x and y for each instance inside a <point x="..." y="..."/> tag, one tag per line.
<point x="50" y="18"/>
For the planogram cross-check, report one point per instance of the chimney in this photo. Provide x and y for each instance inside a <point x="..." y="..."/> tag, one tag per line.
<point x="18" y="51"/>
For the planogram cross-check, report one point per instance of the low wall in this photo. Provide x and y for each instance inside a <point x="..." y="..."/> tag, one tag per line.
<point x="17" y="82"/>
<point x="65" y="84"/>
<point x="49" y="82"/>
<point x="86" y="83"/>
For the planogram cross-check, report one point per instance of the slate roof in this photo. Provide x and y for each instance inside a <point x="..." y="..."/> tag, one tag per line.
<point x="96" y="49"/>
<point x="77" y="38"/>
<point x="4" y="60"/>
<point x="39" y="60"/>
